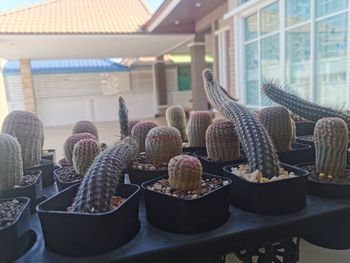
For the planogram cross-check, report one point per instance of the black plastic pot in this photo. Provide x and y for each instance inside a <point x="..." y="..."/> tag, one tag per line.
<point x="83" y="234"/>
<point x="46" y="167"/>
<point x="138" y="177"/>
<point x="63" y="185"/>
<point x="187" y="216"/>
<point x="193" y="149"/>
<point x="272" y="198"/>
<point x="299" y="153"/>
<point x="49" y="154"/>
<point x="10" y="235"/>
<point x="304" y="128"/>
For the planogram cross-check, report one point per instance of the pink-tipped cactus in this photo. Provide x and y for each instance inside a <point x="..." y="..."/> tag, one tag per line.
<point x="71" y="141"/>
<point x="140" y="131"/>
<point x="84" y="153"/>
<point x="197" y="125"/>
<point x="176" y="117"/>
<point x="85" y="126"/>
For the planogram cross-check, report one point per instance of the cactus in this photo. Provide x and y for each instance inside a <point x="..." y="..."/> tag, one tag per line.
<point x="131" y="124"/>
<point x="139" y="133"/>
<point x="102" y="178"/>
<point x="29" y="132"/>
<point x="11" y="166"/>
<point x="84" y="153"/>
<point x="255" y="140"/>
<point x="331" y="142"/>
<point x="162" y="143"/>
<point x="294" y="130"/>
<point x="197" y="125"/>
<point x="176" y="117"/>
<point x="85" y="126"/>
<point x="277" y="122"/>
<point x="123" y="118"/>
<point x="222" y="141"/>
<point x="185" y="173"/>
<point x="71" y="141"/>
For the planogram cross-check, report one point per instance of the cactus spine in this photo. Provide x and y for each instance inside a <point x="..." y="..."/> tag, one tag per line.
<point x="85" y="126"/>
<point x="197" y="125"/>
<point x="176" y="117"/>
<point x="331" y="142"/>
<point x="11" y="166"/>
<point x="101" y="180"/>
<point x="29" y="132"/>
<point x="277" y="122"/>
<point x="222" y="141"/>
<point x="256" y="142"/>
<point x="84" y="153"/>
<point x="71" y="141"/>
<point x="123" y="118"/>
<point x="185" y="173"/>
<point x="139" y="133"/>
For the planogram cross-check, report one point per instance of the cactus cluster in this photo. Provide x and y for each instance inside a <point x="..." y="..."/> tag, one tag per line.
<point x="222" y="141"/>
<point x="71" y="141"/>
<point x="140" y="131"/>
<point x="102" y="178"/>
<point x="176" y="117"/>
<point x="185" y="173"/>
<point x="11" y="166"/>
<point x="85" y="126"/>
<point x="197" y="126"/>
<point x="29" y="132"/>
<point x="123" y="118"/>
<point x="84" y="153"/>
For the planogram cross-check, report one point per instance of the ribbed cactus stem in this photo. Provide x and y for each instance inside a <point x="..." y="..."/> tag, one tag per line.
<point x="85" y="126"/>
<point x="139" y="133"/>
<point x="294" y="130"/>
<point x="123" y="118"/>
<point x="102" y="178"/>
<point x="71" y="141"/>
<point x="185" y="173"/>
<point x="197" y="126"/>
<point x="331" y="143"/>
<point x="256" y="142"/>
<point x="84" y="153"/>
<point x="131" y="124"/>
<point x="176" y="117"/>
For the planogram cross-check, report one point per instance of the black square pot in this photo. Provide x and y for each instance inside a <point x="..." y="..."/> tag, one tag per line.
<point x="299" y="153"/>
<point x="83" y="234"/>
<point x="272" y="198"/>
<point x="46" y="167"/>
<point x="60" y="184"/>
<point x="187" y="216"/>
<point x="193" y="149"/>
<point x="138" y="177"/>
<point x="50" y="154"/>
<point x="10" y="235"/>
<point x="304" y="128"/>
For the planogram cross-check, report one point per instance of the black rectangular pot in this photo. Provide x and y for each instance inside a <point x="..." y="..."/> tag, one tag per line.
<point x="46" y="167"/>
<point x="187" y="216"/>
<point x="10" y="235"/>
<point x="299" y="153"/>
<point x="83" y="234"/>
<point x="63" y="185"/>
<point x="193" y="149"/>
<point x="304" y="128"/>
<point x="272" y="198"/>
<point x="138" y="177"/>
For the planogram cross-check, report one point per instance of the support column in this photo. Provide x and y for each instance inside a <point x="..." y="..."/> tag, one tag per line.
<point x="160" y="84"/>
<point x="231" y="61"/>
<point x="27" y="86"/>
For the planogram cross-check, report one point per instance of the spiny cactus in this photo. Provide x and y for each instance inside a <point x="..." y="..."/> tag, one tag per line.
<point x="255" y="140"/>
<point x="102" y="178"/>
<point x="11" y="166"/>
<point x="29" y="132"/>
<point x="139" y="133"/>
<point x="71" y="141"/>
<point x="277" y="122"/>
<point x="197" y="125"/>
<point x="123" y="118"/>
<point x="85" y="126"/>
<point x="294" y="130"/>
<point x="131" y="124"/>
<point x="84" y="153"/>
<point x="176" y="117"/>
<point x="303" y="108"/>
<point x="162" y="143"/>
<point x="331" y="142"/>
<point x="222" y="141"/>
<point x="185" y="173"/>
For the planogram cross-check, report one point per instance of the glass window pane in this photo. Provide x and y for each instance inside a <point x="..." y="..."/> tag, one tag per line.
<point x="251" y="74"/>
<point x="326" y="7"/>
<point x="269" y="19"/>
<point x="298" y="60"/>
<point x="297" y="11"/>
<point x="251" y="27"/>
<point x="331" y="60"/>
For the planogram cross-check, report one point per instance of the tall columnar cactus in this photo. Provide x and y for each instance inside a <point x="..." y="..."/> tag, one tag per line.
<point x="303" y="108"/>
<point x="185" y="173"/>
<point x="11" y="166"/>
<point x="102" y="178"/>
<point x="222" y="141"/>
<point x="162" y="143"/>
<point x="139" y="133"/>
<point x="277" y="122"/>
<point x="29" y="132"/>
<point x="176" y="117"/>
<point x="197" y="125"/>
<point x="256" y="142"/>
<point x="71" y="141"/>
<point x="85" y="126"/>
<point x="331" y="143"/>
<point x="123" y="118"/>
<point x="84" y="153"/>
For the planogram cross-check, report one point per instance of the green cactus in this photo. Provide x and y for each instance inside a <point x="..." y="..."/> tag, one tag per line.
<point x="185" y="173"/>
<point x="84" y="153"/>
<point x="176" y="117"/>
<point x="331" y="142"/>
<point x="123" y="118"/>
<point x="277" y="122"/>
<point x="139" y="133"/>
<point x="85" y="126"/>
<point x="11" y="166"/>
<point x="100" y="182"/>
<point x="222" y="141"/>
<point x="162" y="143"/>
<point x="29" y="132"/>
<point x="197" y="125"/>
<point x="71" y="141"/>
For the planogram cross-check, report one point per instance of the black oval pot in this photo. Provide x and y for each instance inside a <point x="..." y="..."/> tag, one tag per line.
<point x="63" y="185"/>
<point x="299" y="153"/>
<point x="138" y="177"/>
<point x="304" y="128"/>
<point x="187" y="216"/>
<point x="272" y="198"/>
<point x="193" y="149"/>
<point x="49" y="155"/>
<point x="83" y="234"/>
<point x="46" y="167"/>
<point x="10" y="235"/>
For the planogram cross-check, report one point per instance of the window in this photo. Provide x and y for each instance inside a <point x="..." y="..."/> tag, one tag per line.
<point x="184" y="77"/>
<point x="223" y="57"/>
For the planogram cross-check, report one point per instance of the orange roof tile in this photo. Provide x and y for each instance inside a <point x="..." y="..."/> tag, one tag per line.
<point x="77" y="17"/>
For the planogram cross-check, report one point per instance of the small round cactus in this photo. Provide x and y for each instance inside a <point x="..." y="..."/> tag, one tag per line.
<point x="185" y="173"/>
<point x="85" y="126"/>
<point x="176" y="117"/>
<point x="197" y="125"/>
<point x="84" y="153"/>
<point x="132" y="123"/>
<point x="140" y="131"/>
<point x="71" y="141"/>
<point x="162" y="143"/>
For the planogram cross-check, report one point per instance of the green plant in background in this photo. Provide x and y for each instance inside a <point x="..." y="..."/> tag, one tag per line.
<point x="71" y="141"/>
<point x="140" y="131"/>
<point x="85" y="126"/>
<point x="197" y="126"/>
<point x="176" y="117"/>
<point x="84" y="153"/>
